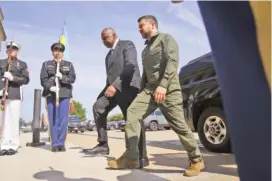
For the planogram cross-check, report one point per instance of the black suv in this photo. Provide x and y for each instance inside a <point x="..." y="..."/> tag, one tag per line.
<point x="203" y="108"/>
<point x="76" y="124"/>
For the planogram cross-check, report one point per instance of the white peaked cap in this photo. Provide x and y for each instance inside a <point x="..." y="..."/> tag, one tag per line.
<point x="13" y="43"/>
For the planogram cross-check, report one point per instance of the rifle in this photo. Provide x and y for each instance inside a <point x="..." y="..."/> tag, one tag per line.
<point x="4" y="96"/>
<point x="57" y="84"/>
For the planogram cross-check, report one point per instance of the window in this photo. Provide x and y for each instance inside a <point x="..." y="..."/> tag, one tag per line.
<point x="74" y="118"/>
<point x="158" y="113"/>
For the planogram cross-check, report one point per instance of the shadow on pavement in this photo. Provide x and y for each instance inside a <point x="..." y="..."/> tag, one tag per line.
<point x="214" y="163"/>
<point x="53" y="175"/>
<point x="172" y="145"/>
<point x="44" y="139"/>
<point x="136" y="175"/>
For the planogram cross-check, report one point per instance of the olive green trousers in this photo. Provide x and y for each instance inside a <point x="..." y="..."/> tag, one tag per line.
<point x="143" y="105"/>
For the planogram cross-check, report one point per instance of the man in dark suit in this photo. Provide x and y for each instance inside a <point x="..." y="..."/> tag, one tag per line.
<point x="122" y="86"/>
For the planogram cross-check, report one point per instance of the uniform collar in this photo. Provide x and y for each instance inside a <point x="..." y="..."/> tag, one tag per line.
<point x="151" y="40"/>
<point x="114" y="45"/>
<point x="14" y="58"/>
<point x="55" y="61"/>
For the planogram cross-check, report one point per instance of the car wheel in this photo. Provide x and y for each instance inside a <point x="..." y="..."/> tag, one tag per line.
<point x="212" y="130"/>
<point x="94" y="128"/>
<point x="111" y="127"/>
<point x="167" y="128"/>
<point x="153" y="126"/>
<point x="76" y="131"/>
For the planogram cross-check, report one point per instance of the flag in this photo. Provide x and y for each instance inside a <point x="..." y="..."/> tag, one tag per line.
<point x="64" y="40"/>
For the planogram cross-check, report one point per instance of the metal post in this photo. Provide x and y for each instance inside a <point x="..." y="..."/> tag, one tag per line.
<point x="36" y="120"/>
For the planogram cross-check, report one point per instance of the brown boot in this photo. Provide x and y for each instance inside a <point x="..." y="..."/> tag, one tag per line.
<point x="194" y="169"/>
<point x="124" y="163"/>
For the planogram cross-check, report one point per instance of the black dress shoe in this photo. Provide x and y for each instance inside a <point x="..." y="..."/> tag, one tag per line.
<point x="11" y="152"/>
<point x="54" y="149"/>
<point x="144" y="162"/>
<point x="3" y="152"/>
<point x="98" y="150"/>
<point x="62" y="149"/>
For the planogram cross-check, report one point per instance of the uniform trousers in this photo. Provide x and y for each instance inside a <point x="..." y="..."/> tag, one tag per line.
<point x="143" y="105"/>
<point x="58" y="120"/>
<point x="9" y="125"/>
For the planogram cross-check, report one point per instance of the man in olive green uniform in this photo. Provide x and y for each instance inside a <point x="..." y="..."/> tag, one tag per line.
<point x="160" y="88"/>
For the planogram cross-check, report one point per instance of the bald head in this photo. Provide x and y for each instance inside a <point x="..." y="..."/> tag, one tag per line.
<point x="109" y="30"/>
<point x="108" y="36"/>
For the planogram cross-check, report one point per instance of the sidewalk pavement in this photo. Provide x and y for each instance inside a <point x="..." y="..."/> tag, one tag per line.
<point x="32" y="164"/>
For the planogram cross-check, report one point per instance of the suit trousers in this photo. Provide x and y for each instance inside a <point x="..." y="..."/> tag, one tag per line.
<point x="104" y="105"/>
<point x="9" y="125"/>
<point x="58" y="120"/>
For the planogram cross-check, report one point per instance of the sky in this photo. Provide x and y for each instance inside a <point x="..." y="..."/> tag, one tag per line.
<point x="37" y="25"/>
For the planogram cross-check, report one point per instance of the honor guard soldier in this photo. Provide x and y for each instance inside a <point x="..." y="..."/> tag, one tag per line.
<point x="14" y="74"/>
<point x="57" y="77"/>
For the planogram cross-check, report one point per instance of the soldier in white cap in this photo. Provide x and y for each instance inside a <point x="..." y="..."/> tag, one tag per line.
<point x="15" y="73"/>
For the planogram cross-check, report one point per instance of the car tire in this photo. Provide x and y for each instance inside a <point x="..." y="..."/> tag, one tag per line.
<point x="76" y="131"/>
<point x="94" y="128"/>
<point x="82" y="131"/>
<point x="111" y="128"/>
<point x="207" y="133"/>
<point x="153" y="126"/>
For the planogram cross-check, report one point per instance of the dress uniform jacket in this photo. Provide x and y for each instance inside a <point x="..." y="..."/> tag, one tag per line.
<point x="48" y="73"/>
<point x="20" y="74"/>
<point x="155" y="60"/>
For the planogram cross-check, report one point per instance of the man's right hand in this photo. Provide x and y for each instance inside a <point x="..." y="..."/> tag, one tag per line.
<point x="1" y="92"/>
<point x="54" y="89"/>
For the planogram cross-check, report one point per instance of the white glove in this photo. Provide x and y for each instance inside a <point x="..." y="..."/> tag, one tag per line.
<point x="1" y="92"/>
<point x="59" y="75"/>
<point x="8" y="76"/>
<point x="54" y="89"/>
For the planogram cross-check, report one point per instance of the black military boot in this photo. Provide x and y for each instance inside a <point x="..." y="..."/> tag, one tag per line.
<point x="54" y="149"/>
<point x="3" y="152"/>
<point x="100" y="149"/>
<point x="62" y="148"/>
<point x="144" y="162"/>
<point x="11" y="152"/>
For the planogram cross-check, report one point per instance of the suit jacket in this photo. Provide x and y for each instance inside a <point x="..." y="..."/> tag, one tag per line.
<point x="122" y="66"/>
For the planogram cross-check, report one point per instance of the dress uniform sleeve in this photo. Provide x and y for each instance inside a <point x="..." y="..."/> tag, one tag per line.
<point x="71" y="77"/>
<point x="171" y="54"/>
<point x="46" y="81"/>
<point x="24" y="78"/>
<point x="130" y="60"/>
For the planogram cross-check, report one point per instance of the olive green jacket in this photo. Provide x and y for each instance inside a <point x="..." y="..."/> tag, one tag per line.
<point x="160" y="60"/>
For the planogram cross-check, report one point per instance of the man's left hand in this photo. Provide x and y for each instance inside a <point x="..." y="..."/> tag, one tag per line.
<point x="110" y="92"/>
<point x="160" y="94"/>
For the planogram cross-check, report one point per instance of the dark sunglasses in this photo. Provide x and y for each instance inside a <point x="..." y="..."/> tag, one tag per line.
<point x="12" y="47"/>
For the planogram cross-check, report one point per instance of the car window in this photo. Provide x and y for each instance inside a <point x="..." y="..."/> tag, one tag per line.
<point x="74" y="118"/>
<point x="158" y="113"/>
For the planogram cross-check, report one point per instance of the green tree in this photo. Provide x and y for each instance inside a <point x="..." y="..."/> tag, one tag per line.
<point x="116" y="117"/>
<point x="79" y="110"/>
